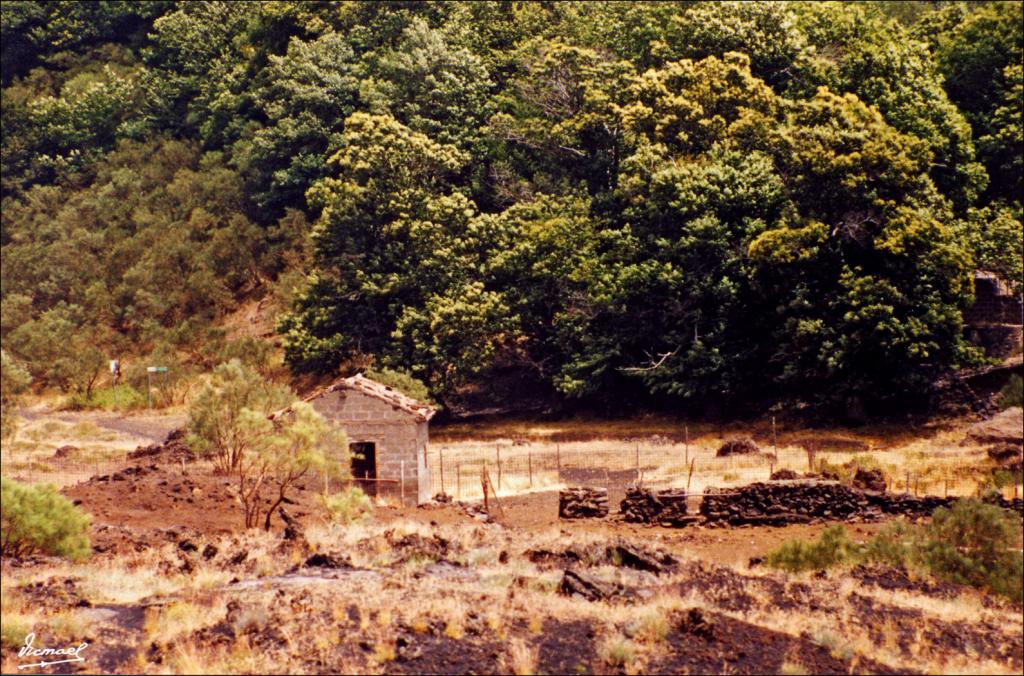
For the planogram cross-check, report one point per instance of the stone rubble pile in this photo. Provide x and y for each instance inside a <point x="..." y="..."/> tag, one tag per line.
<point x="583" y="503"/>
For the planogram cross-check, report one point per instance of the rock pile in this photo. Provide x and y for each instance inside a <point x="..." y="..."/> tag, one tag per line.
<point x="869" y="480"/>
<point x="174" y="449"/>
<point x="783" y="475"/>
<point x="583" y="503"/>
<point x="738" y="446"/>
<point x="666" y="507"/>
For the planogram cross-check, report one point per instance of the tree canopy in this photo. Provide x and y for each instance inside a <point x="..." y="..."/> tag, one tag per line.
<point x="676" y="204"/>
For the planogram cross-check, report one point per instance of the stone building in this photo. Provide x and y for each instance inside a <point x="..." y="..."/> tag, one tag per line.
<point x="387" y="435"/>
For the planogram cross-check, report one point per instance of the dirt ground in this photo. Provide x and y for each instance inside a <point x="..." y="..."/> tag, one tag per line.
<point x="175" y="585"/>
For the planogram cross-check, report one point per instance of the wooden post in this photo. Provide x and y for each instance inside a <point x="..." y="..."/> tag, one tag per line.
<point x="483" y="485"/>
<point x="401" y="466"/>
<point x="440" y="454"/>
<point x="690" y="476"/>
<point x="529" y="465"/>
<point x="497" y="453"/>
<point x="775" y="439"/>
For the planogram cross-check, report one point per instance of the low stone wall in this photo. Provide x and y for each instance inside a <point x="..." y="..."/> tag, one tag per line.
<point x="665" y="507"/>
<point x="776" y="503"/>
<point x="784" y="502"/>
<point x="583" y="503"/>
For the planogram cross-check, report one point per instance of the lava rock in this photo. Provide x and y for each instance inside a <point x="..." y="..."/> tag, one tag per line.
<point x="869" y="480"/>
<point x="737" y="446"/>
<point x="582" y="503"/>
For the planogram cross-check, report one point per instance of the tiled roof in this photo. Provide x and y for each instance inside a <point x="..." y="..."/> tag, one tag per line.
<point x="371" y="388"/>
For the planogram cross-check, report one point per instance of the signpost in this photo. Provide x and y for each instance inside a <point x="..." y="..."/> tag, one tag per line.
<point x="150" y="370"/>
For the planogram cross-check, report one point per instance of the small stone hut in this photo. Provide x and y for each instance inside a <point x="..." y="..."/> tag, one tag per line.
<point x="387" y="435"/>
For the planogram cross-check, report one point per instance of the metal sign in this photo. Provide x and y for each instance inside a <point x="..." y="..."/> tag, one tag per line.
<point x="156" y="369"/>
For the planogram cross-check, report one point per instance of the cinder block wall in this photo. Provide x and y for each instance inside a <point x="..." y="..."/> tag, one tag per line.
<point x="397" y="436"/>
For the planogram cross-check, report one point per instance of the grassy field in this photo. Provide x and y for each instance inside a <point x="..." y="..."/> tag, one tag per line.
<point x="542" y="456"/>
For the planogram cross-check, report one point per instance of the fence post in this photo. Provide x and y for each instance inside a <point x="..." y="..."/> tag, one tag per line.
<point x="529" y="465"/>
<point x="686" y="445"/>
<point x="401" y="466"/>
<point x="690" y="476"/>
<point x="440" y="455"/>
<point x="483" y="486"/>
<point x="775" y="439"/>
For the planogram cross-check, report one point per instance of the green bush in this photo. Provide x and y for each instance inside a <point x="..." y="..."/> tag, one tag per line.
<point x="1012" y="393"/>
<point x="348" y="506"/>
<point x="118" y="398"/>
<point x="833" y="549"/>
<point x="38" y="520"/>
<point x="974" y="543"/>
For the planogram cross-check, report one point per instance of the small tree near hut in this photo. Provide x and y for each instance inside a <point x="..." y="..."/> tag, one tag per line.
<point x="221" y="416"/>
<point x="283" y="451"/>
<point x="230" y="422"/>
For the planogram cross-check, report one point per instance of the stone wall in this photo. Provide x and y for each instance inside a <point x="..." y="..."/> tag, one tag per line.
<point x="784" y="502"/>
<point x="396" y="435"/>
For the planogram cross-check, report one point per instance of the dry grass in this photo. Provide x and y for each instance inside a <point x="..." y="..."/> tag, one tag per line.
<point x="929" y="460"/>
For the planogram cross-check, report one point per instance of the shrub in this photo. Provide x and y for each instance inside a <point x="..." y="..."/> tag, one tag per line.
<point x="348" y="506"/>
<point x="834" y="548"/>
<point x="974" y="543"/>
<point x="37" y="519"/>
<point x="1012" y="393"/>
<point x="618" y="651"/>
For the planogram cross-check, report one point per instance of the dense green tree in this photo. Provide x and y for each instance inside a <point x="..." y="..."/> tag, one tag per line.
<point x="388" y="236"/>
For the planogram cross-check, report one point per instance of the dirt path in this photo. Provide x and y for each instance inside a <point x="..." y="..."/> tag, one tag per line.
<point x="151" y="426"/>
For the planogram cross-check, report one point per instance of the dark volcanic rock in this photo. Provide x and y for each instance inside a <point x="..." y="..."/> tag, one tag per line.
<point x="666" y="507"/>
<point x="583" y="502"/>
<point x="783" y="475"/>
<point x="869" y="480"/>
<point x="589" y="587"/>
<point x="633" y="556"/>
<point x="738" y="446"/>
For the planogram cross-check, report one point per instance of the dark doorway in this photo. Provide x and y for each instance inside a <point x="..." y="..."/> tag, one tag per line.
<point x="364" y="465"/>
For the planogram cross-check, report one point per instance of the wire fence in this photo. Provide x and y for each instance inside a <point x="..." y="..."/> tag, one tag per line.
<point x="455" y="469"/>
<point x="59" y="471"/>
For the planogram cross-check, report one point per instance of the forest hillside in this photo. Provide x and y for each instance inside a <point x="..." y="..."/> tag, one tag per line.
<point x="601" y="204"/>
